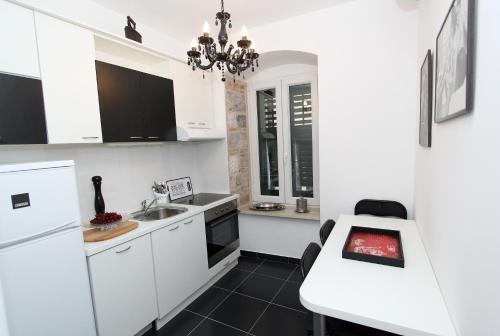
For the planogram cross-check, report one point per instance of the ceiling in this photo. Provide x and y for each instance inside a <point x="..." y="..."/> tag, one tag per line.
<point x="183" y="19"/>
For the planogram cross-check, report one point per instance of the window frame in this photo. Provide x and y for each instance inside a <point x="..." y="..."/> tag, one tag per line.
<point x="284" y="137"/>
<point x="288" y="81"/>
<point x="254" y="142"/>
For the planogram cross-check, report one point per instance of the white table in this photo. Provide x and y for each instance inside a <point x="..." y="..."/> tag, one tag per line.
<point x="405" y="301"/>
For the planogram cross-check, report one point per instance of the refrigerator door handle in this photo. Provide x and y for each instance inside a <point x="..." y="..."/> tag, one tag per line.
<point x="69" y="225"/>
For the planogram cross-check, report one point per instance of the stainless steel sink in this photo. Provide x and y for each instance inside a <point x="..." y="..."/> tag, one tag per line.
<point x="158" y="213"/>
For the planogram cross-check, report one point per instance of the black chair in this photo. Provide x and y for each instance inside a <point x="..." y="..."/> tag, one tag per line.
<point x="325" y="230"/>
<point x="308" y="257"/>
<point x="334" y="327"/>
<point x="380" y="208"/>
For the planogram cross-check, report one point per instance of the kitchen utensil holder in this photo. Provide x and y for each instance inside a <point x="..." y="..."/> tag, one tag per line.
<point x="161" y="199"/>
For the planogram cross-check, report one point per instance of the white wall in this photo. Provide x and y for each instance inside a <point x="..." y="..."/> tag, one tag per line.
<point x="279" y="236"/>
<point x="367" y="103"/>
<point x="458" y="183"/>
<point x="280" y="71"/>
<point x="128" y="172"/>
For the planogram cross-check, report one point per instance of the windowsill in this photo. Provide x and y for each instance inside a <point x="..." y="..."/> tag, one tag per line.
<point x="288" y="212"/>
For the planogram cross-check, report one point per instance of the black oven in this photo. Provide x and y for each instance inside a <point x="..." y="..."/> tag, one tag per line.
<point x="223" y="237"/>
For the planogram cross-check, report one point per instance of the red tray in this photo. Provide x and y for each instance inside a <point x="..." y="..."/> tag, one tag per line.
<point x="378" y="246"/>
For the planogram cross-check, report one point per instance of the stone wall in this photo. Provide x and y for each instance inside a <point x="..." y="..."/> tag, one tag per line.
<point x="237" y="138"/>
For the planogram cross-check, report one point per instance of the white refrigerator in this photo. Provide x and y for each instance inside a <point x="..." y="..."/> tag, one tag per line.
<point x="43" y="271"/>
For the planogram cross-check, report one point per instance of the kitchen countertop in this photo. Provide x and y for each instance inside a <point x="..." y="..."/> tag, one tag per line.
<point x="148" y="227"/>
<point x="288" y="212"/>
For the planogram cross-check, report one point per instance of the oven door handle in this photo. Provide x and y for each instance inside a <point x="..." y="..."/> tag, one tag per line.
<point x="222" y="219"/>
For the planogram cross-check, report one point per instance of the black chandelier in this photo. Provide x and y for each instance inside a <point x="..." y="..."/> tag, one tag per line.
<point x="233" y="60"/>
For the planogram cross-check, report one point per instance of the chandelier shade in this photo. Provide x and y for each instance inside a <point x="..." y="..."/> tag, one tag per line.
<point x="205" y="53"/>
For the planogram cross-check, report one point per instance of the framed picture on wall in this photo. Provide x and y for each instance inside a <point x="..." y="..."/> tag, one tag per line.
<point x="454" y="62"/>
<point x="426" y="101"/>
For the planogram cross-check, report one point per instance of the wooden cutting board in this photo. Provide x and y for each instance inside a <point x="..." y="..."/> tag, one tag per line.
<point x="96" y="235"/>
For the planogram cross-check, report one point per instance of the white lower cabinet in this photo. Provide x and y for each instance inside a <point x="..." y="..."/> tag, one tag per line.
<point x="142" y="280"/>
<point x="180" y="260"/>
<point x="123" y="288"/>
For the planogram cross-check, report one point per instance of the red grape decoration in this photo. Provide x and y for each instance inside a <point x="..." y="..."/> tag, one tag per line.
<point x="106" y="218"/>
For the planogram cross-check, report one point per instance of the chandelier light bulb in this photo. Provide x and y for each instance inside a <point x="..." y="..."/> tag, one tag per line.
<point x="231" y="60"/>
<point x="194" y="43"/>
<point x="206" y="29"/>
<point x="244" y="33"/>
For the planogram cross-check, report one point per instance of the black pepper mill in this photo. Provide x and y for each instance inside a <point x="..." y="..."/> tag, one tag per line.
<point x="99" y="200"/>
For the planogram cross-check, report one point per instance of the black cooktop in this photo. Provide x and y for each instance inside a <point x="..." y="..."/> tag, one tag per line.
<point x="200" y="199"/>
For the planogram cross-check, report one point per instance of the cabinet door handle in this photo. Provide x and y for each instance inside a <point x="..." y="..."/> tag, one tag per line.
<point x="226" y="263"/>
<point x="173" y="229"/>
<point x="124" y="250"/>
<point x="191" y="123"/>
<point x="135" y="137"/>
<point x="89" y="137"/>
<point x="202" y="123"/>
<point x="153" y="137"/>
<point x="188" y="222"/>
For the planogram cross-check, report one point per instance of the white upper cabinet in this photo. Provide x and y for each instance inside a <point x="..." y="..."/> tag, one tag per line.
<point x="67" y="65"/>
<point x="19" y="54"/>
<point x="193" y="96"/>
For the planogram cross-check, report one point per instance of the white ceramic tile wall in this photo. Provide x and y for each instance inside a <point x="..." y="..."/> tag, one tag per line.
<point x="127" y="171"/>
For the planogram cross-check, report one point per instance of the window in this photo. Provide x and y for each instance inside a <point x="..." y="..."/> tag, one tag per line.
<point x="283" y="129"/>
<point x="301" y="140"/>
<point x="268" y="142"/>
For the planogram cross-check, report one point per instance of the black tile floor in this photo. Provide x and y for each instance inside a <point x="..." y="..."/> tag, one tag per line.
<point x="258" y="297"/>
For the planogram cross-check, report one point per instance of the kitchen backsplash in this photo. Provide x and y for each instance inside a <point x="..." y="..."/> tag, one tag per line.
<point x="127" y="171"/>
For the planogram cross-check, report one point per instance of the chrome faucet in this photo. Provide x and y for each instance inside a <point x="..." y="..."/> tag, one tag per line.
<point x="146" y="206"/>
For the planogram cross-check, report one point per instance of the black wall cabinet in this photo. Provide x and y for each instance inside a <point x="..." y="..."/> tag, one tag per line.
<point x="135" y="106"/>
<point x="22" y="112"/>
